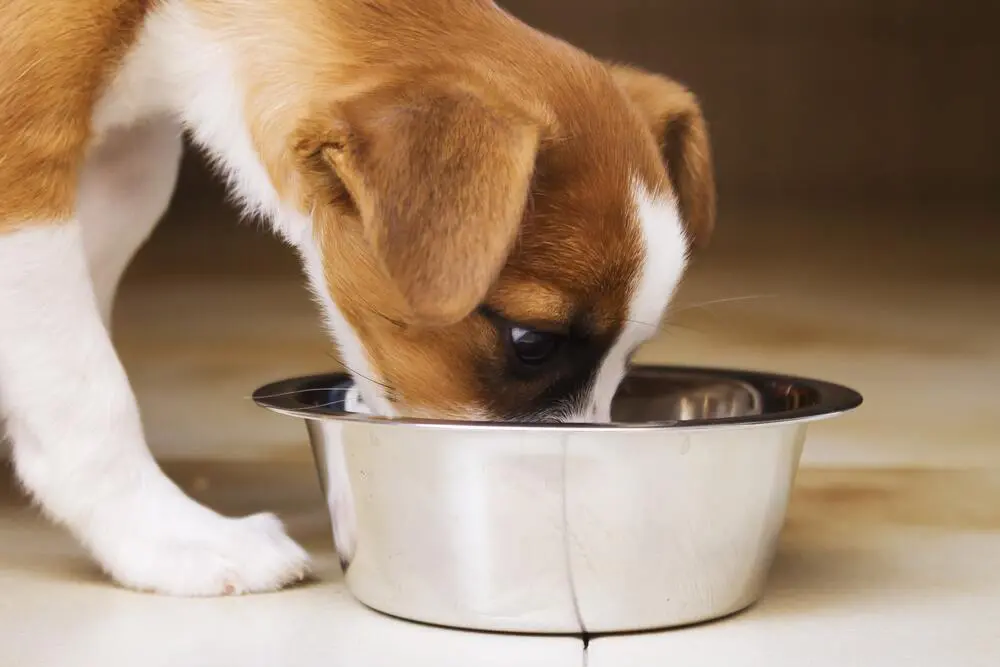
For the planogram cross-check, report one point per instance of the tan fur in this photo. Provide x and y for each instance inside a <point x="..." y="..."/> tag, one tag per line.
<point x="448" y="154"/>
<point x="438" y="179"/>
<point x="56" y="57"/>
<point x="675" y="117"/>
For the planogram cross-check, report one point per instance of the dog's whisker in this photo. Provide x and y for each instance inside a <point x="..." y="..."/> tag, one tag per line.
<point x="296" y="392"/>
<point x="703" y="304"/>
<point x="325" y="405"/>
<point x="361" y="375"/>
<point x="390" y="392"/>
<point x="681" y="327"/>
<point x="643" y="324"/>
<point x="293" y="392"/>
<point x="715" y="302"/>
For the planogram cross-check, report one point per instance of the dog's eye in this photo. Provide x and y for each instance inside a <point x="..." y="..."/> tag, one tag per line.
<point x="532" y="347"/>
<point x="528" y="349"/>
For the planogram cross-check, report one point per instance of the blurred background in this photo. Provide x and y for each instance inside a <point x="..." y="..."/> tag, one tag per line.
<point x="859" y="185"/>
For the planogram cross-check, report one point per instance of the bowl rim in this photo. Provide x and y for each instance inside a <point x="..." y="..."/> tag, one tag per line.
<point x="284" y="397"/>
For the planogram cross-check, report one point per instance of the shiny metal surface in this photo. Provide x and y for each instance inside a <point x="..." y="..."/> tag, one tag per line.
<point x="667" y="518"/>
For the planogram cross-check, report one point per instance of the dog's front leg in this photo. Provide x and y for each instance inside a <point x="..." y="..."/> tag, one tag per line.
<point x="79" y="445"/>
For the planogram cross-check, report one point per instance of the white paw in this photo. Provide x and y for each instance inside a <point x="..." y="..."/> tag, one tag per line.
<point x="192" y="551"/>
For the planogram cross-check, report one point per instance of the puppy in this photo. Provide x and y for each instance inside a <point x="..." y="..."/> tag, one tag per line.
<point x="491" y="220"/>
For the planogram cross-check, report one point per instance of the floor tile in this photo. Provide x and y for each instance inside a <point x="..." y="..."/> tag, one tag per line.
<point x="876" y="567"/>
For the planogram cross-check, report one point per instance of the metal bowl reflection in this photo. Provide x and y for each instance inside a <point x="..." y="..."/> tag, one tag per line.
<point x="668" y="516"/>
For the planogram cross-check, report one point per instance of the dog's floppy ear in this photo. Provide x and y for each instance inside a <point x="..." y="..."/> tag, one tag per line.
<point x="439" y="179"/>
<point x="675" y="117"/>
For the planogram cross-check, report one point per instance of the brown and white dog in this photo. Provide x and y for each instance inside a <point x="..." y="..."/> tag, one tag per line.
<point x="492" y="221"/>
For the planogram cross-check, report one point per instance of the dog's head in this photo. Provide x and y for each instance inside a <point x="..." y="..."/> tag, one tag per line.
<point x="495" y="240"/>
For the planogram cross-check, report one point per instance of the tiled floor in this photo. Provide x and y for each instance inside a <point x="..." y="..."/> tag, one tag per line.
<point x="57" y="611"/>
<point x="890" y="551"/>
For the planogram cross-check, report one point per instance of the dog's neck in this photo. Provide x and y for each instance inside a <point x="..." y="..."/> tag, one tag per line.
<point x="259" y="67"/>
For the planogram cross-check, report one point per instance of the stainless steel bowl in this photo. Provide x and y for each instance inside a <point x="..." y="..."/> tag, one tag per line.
<point x="667" y="517"/>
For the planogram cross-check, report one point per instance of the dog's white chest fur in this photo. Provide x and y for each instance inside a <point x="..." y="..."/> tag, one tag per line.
<point x="177" y="69"/>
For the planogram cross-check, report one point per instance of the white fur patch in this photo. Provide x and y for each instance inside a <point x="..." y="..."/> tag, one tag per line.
<point x="128" y="183"/>
<point x="665" y="249"/>
<point x="78" y="440"/>
<point x="177" y="66"/>
<point x="207" y="94"/>
<point x="352" y="352"/>
<point x="70" y="412"/>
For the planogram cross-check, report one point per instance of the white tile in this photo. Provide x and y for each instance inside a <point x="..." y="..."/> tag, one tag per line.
<point x="51" y="621"/>
<point x="920" y="599"/>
